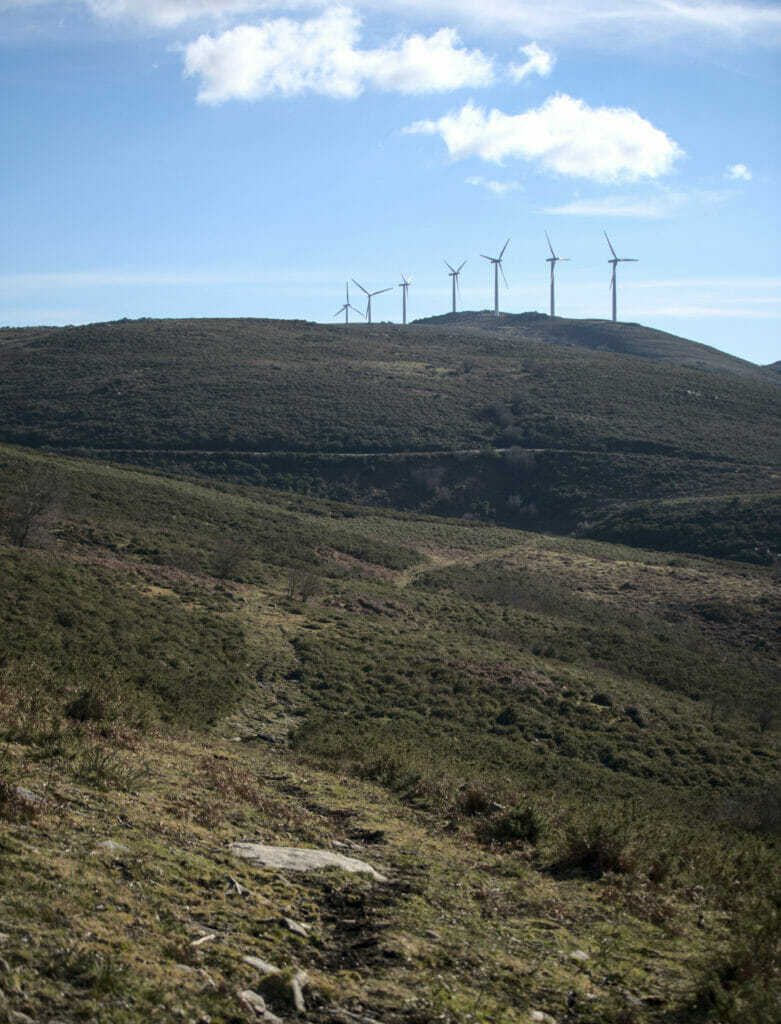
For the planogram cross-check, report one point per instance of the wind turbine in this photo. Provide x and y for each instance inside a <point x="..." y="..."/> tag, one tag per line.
<point x="404" y="285"/>
<point x="370" y="296"/>
<point x="497" y="262"/>
<point x="347" y="306"/>
<point x="454" y="274"/>
<point x="553" y="259"/>
<point x="615" y="261"/>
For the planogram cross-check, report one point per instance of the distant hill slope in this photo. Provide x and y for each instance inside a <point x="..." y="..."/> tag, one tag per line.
<point x="603" y="336"/>
<point x="506" y="419"/>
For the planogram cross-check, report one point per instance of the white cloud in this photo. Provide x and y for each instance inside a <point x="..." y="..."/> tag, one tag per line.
<point x="538" y="62"/>
<point x="738" y="172"/>
<point x="499" y="188"/>
<point x="564" y="135"/>
<point x="656" y="205"/>
<point x="287" y="58"/>
<point x="648" y="207"/>
<point x="598" y="23"/>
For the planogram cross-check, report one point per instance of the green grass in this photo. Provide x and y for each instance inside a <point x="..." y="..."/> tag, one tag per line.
<point x="551" y="744"/>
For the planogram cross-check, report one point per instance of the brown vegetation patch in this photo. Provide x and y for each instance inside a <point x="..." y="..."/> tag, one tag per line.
<point x="509" y="675"/>
<point x="346" y="561"/>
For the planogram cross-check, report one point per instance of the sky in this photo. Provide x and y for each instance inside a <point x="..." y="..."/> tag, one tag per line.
<point x="189" y="158"/>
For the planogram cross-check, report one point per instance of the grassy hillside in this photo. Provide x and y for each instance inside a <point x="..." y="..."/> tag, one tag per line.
<point x="563" y="754"/>
<point x="524" y="421"/>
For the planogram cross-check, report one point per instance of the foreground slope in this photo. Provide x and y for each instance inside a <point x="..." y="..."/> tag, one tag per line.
<point x="506" y="421"/>
<point x="562" y="755"/>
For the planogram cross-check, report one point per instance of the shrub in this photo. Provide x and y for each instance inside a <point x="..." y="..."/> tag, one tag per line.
<point x="520" y="824"/>
<point x="31" y="510"/>
<point x="473" y="800"/>
<point x="594" y="854"/>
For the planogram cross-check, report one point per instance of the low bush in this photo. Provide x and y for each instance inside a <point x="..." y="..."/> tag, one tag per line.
<point x="519" y="824"/>
<point x="594" y="853"/>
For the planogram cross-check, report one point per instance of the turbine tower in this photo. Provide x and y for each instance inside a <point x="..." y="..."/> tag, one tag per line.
<point x="404" y="285"/>
<point x="553" y="259"/>
<point x="454" y="274"/>
<point x="615" y="261"/>
<point x="369" y="297"/>
<point x="497" y="262"/>
<point x="347" y="305"/>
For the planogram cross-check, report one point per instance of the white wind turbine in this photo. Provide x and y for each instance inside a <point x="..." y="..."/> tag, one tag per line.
<point x="454" y="274"/>
<point x="615" y="261"/>
<point x="347" y="305"/>
<point x="404" y="285"/>
<point x="497" y="262"/>
<point x="553" y="259"/>
<point x="369" y="297"/>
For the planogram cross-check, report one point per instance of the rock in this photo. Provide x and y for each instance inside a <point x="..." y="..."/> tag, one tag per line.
<point x="579" y="954"/>
<point x="296" y="927"/>
<point x="297" y="859"/>
<point x="28" y="797"/>
<point x="431" y="934"/>
<point x="261" y="965"/>
<point x="257" y="1004"/>
<point x="110" y="846"/>
<point x="541" y="1018"/>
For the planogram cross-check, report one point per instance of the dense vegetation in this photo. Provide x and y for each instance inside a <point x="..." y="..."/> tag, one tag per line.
<point x="577" y="745"/>
<point x="539" y="423"/>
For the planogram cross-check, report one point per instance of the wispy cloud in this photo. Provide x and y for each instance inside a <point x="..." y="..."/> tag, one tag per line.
<point x="597" y="23"/>
<point x="738" y="172"/>
<point x="286" y="58"/>
<point x="538" y="62"/>
<point x="657" y="205"/>
<point x="499" y="188"/>
<point x="564" y="135"/>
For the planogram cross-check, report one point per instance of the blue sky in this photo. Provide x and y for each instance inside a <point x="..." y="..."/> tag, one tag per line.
<point x="247" y="157"/>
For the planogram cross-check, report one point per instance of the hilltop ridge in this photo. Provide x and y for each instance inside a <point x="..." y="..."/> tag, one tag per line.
<point x="538" y="423"/>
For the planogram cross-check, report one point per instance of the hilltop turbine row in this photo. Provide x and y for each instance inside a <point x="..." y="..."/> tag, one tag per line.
<point x="496" y="262"/>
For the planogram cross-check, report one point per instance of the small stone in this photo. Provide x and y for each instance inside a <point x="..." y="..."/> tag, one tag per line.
<point x="253" y="1001"/>
<point x="29" y="797"/>
<point x="579" y="954"/>
<point x="17" y="1017"/>
<point x="541" y="1018"/>
<point x="431" y="934"/>
<point x="297" y="992"/>
<point x="110" y="846"/>
<point x="261" y="965"/>
<point x="296" y="927"/>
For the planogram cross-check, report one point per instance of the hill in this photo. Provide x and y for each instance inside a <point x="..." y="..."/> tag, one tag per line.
<point x="561" y="755"/>
<point x="508" y="420"/>
<point x="602" y="336"/>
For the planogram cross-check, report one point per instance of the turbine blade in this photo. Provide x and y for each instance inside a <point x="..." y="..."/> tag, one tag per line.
<point x="449" y="267"/>
<point x="357" y="311"/>
<point x="553" y="254"/>
<point x="380" y="292"/>
<point x="628" y="259"/>
<point x="613" y="251"/>
<point x="462" y="266"/>
<point x="492" y="260"/>
<point x="503" y="248"/>
<point x="503" y="277"/>
<point x="360" y="286"/>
